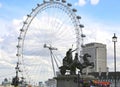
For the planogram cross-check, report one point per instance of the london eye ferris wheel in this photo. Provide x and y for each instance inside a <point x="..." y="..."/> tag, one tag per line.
<point x="48" y="32"/>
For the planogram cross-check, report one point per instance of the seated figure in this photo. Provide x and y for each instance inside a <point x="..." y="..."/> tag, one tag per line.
<point x="67" y="61"/>
<point x="76" y="64"/>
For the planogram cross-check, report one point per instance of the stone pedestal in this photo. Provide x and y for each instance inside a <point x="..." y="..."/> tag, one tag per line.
<point x="71" y="80"/>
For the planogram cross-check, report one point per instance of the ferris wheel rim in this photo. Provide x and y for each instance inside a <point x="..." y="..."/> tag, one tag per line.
<point x="29" y="19"/>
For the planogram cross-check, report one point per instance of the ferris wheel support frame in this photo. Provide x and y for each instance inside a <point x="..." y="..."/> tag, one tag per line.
<point x="51" y="54"/>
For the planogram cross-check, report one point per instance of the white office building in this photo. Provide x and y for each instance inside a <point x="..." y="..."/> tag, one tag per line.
<point x="98" y="54"/>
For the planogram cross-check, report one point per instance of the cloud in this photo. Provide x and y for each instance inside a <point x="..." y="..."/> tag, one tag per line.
<point x="84" y="2"/>
<point x="81" y="2"/>
<point x="94" y="2"/>
<point x="8" y="41"/>
<point x="1" y="39"/>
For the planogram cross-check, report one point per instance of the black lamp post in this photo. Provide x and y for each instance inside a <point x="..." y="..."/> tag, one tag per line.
<point x="114" y="39"/>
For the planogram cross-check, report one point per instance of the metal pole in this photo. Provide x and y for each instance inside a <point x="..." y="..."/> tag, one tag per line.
<point x="115" y="61"/>
<point x="78" y="80"/>
<point x="114" y="39"/>
<point x="52" y="62"/>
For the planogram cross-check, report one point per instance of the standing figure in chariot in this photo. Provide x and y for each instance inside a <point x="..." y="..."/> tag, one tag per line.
<point x="69" y="56"/>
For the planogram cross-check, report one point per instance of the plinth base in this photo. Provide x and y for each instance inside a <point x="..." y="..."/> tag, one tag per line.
<point x="72" y="80"/>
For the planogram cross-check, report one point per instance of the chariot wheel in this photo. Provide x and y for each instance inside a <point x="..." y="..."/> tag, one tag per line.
<point x="47" y="33"/>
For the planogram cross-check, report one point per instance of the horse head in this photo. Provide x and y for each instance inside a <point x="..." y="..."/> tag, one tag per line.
<point x="87" y="55"/>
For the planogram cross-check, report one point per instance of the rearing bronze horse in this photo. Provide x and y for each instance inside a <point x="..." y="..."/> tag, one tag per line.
<point x="86" y="61"/>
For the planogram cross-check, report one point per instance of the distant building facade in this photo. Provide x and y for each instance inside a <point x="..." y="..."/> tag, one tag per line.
<point x="6" y="83"/>
<point x="98" y="54"/>
<point x="50" y="83"/>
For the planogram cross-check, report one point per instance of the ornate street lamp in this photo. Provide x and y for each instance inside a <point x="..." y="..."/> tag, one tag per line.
<point x="114" y="39"/>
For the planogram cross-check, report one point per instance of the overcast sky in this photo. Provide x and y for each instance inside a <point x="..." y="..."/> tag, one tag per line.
<point x="100" y="18"/>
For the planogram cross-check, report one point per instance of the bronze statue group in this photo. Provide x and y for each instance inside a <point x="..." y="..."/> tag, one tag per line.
<point x="72" y="64"/>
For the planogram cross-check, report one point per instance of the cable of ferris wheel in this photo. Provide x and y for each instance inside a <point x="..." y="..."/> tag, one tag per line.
<point x="50" y="49"/>
<point x="52" y="62"/>
<point x="55" y="60"/>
